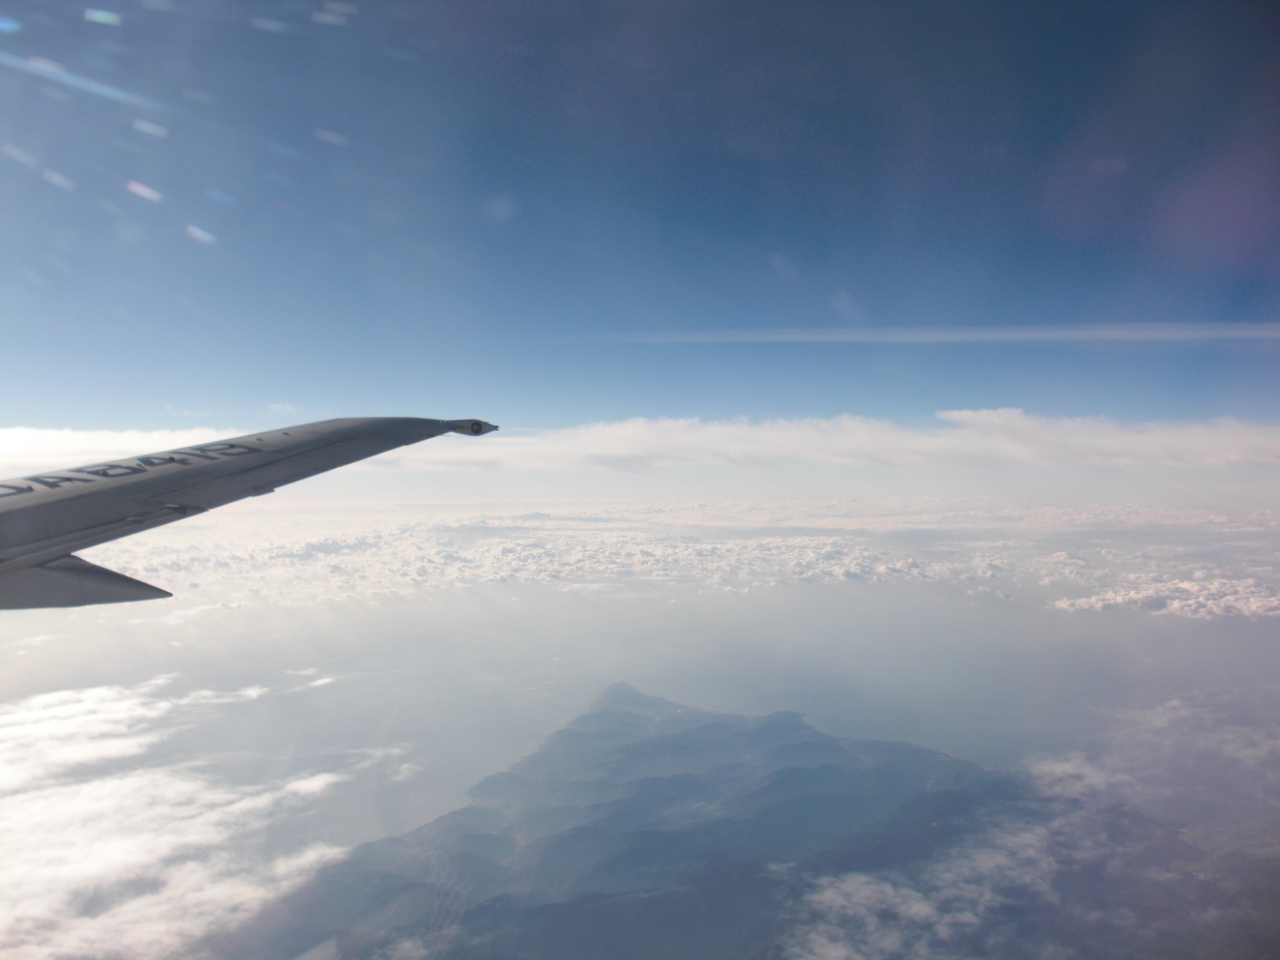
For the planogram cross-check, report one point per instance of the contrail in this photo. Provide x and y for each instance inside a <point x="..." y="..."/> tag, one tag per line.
<point x="1086" y="333"/>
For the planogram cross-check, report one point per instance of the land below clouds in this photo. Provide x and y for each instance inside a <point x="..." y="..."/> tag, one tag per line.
<point x="183" y="811"/>
<point x="647" y="829"/>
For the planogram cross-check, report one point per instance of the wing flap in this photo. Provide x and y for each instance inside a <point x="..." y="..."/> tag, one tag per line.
<point x="70" y="582"/>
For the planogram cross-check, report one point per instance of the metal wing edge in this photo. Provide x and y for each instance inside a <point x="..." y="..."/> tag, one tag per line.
<point x="70" y="582"/>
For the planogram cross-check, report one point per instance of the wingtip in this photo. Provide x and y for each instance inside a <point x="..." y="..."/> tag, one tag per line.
<point x="471" y="428"/>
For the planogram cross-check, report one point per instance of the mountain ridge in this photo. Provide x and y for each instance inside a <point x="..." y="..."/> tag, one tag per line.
<point x="645" y="829"/>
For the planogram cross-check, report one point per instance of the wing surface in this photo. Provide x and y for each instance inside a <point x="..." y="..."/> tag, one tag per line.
<point x="45" y="517"/>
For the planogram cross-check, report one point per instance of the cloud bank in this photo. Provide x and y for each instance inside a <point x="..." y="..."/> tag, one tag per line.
<point x="1201" y="599"/>
<point x="974" y="437"/>
<point x="25" y="449"/>
<point x="1184" y="564"/>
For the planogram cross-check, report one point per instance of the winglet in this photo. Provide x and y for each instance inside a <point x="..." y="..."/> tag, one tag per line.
<point x="471" y="428"/>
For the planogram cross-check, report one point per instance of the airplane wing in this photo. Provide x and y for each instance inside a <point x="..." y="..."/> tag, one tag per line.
<point x="45" y="517"/>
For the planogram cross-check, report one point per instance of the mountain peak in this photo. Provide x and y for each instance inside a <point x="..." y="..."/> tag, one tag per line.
<point x="624" y="698"/>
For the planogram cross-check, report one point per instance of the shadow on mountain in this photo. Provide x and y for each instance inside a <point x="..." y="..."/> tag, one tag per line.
<point x="645" y="829"/>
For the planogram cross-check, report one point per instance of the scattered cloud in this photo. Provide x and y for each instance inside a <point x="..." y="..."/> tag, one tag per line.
<point x="406" y="772"/>
<point x="1073" y="776"/>
<point x="1064" y="869"/>
<point x="944" y="912"/>
<point x="1181" y="563"/>
<point x="1201" y="599"/>
<point x="1211" y="754"/>
<point x="107" y="854"/>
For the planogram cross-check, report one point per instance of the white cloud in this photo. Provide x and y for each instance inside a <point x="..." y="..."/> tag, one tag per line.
<point x="108" y="856"/>
<point x="24" y="449"/>
<point x="1073" y="776"/>
<point x="406" y="772"/>
<point x="1200" y="599"/>
<point x="1118" y="555"/>
<point x="858" y="916"/>
<point x="549" y="549"/>
<point x="989" y="894"/>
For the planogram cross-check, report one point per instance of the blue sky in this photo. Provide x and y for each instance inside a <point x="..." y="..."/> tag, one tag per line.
<point x="452" y="207"/>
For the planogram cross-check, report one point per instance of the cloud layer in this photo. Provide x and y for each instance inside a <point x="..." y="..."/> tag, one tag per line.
<point x="975" y="437"/>
<point x="1201" y="599"/>
<point x="25" y="449"/>
<point x="1183" y="564"/>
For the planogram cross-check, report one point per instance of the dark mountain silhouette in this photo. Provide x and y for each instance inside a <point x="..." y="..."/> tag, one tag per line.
<point x="645" y="829"/>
